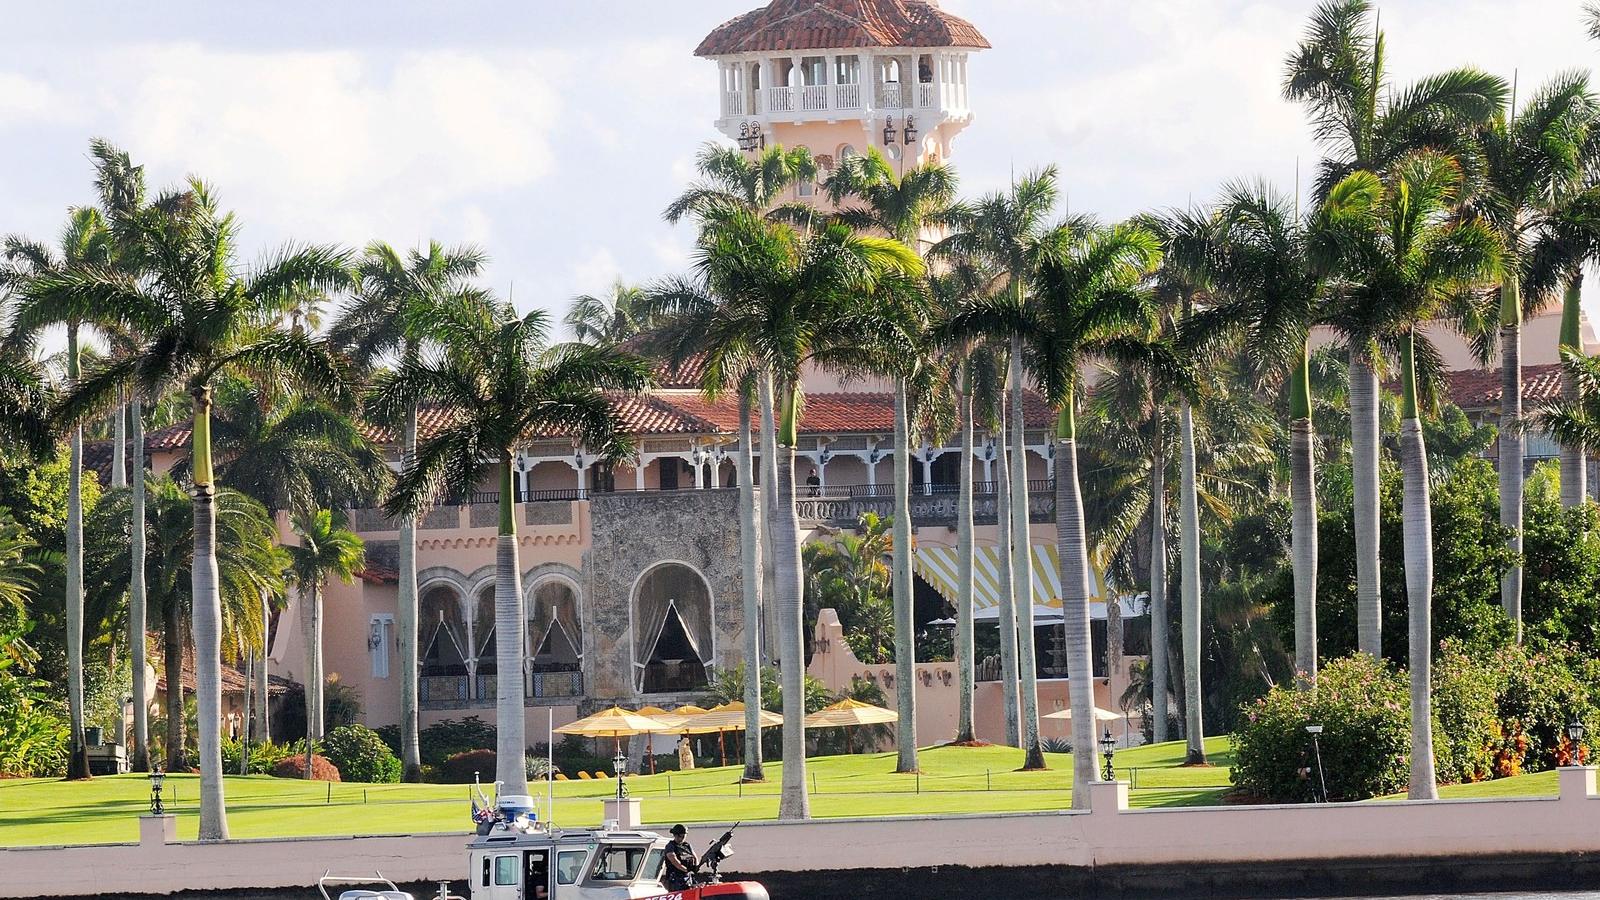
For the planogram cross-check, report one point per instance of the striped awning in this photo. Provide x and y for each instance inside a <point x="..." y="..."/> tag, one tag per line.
<point x="940" y="567"/>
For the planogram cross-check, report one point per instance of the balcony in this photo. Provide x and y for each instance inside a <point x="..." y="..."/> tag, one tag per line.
<point x="822" y="101"/>
<point x="934" y="504"/>
<point x="479" y="691"/>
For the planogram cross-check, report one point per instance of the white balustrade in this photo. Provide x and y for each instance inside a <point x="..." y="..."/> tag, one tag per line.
<point x="889" y="96"/>
<point x="847" y="96"/>
<point x="780" y="99"/>
<point x="814" y="97"/>
<point x="926" y="95"/>
<point x="733" y="103"/>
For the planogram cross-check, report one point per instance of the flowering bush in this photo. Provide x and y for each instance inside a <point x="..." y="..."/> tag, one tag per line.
<point x="295" y="767"/>
<point x="361" y="755"/>
<point x="1364" y="709"/>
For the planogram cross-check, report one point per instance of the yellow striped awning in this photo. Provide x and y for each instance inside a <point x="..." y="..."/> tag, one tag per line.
<point x="940" y="566"/>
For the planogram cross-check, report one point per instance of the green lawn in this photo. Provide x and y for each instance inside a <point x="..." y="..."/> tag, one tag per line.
<point x="953" y="780"/>
<point x="1539" y="784"/>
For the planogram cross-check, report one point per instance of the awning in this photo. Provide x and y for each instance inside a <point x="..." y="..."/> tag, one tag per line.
<point x="939" y="566"/>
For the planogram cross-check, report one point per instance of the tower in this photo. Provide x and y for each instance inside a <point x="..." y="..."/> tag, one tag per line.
<point x="838" y="76"/>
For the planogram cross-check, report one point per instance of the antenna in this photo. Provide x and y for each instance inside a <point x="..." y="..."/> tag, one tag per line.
<point x="1514" y="74"/>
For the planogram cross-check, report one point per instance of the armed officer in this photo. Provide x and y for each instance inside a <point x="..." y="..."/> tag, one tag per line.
<point x="681" y="862"/>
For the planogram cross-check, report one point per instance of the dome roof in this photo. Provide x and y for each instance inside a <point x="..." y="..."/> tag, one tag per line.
<point x="840" y="24"/>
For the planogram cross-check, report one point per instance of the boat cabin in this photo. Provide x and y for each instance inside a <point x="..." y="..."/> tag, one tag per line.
<point x="566" y="865"/>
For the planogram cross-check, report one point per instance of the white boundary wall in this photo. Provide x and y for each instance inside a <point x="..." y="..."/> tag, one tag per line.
<point x="1109" y="835"/>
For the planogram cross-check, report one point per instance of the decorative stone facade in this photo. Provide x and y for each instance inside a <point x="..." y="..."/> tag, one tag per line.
<point x="634" y="532"/>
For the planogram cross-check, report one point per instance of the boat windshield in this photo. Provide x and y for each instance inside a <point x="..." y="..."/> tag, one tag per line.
<point x="652" y="866"/>
<point x="619" y="863"/>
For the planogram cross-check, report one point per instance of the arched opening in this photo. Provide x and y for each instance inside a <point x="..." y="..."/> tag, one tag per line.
<point x="485" y="662"/>
<point x="555" y="627"/>
<point x="672" y="634"/>
<point x="443" y="647"/>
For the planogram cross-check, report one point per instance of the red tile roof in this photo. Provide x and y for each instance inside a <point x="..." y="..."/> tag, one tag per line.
<point x="1474" y="389"/>
<point x="835" y="24"/>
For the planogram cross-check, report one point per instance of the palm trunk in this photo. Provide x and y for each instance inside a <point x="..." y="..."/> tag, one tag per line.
<point x="137" y="612"/>
<point x="1511" y="441"/>
<point x="1189" y="563"/>
<point x="119" y="443"/>
<point x="1007" y="617"/>
<point x="1159" y="637"/>
<point x="1072" y="549"/>
<point x="793" y="802"/>
<point x="963" y="648"/>
<point x="1418" y="521"/>
<point x="772" y="633"/>
<point x="406" y="621"/>
<point x="511" y="744"/>
<point x="78" y="760"/>
<point x="172" y="661"/>
<point x="750" y="523"/>
<point x="263" y="722"/>
<point x="1022" y="568"/>
<point x="206" y="625"/>
<point x="905" y="658"/>
<point x="311" y="632"/>
<point x="1364" y="464"/>
<point x="1303" y="526"/>
<point x="1574" y="468"/>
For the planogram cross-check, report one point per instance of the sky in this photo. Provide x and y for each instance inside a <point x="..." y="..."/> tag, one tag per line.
<point x="552" y="133"/>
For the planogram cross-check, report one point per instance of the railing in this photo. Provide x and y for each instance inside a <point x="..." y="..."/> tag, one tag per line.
<point x="733" y="103"/>
<point x="937" y="507"/>
<point x="780" y="99"/>
<point x="889" y="96"/>
<point x="927" y="95"/>
<point x="847" y="96"/>
<point x="814" y="97"/>
<point x="481" y="689"/>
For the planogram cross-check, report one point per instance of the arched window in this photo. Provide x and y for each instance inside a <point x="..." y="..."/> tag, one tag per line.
<point x="672" y="630"/>
<point x="846" y="152"/>
<point x="483" y="640"/>
<point x="555" y="626"/>
<point x="441" y="633"/>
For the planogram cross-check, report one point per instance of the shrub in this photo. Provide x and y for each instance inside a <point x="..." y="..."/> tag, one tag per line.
<point x="537" y="767"/>
<point x="33" y="728"/>
<point x="1540" y="694"/>
<point x="574" y="755"/>
<point x="361" y="755"/>
<point x="295" y="767"/>
<point x="448" y="737"/>
<point x="1466" y="733"/>
<point x="1364" y="709"/>
<point x="462" y="767"/>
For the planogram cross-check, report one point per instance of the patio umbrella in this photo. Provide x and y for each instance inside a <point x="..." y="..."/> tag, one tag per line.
<point x="728" y="717"/>
<point x="848" y="713"/>
<point x="654" y="712"/>
<point x="1100" y="715"/>
<point x="616" y="723"/>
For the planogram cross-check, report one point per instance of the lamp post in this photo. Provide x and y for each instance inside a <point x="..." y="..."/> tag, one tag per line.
<point x="1108" y="747"/>
<point x="156" y="779"/>
<point x="619" y="764"/>
<point x="1316" y="750"/>
<point x="1575" y="734"/>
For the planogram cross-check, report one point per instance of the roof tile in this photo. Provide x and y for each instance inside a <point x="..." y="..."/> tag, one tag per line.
<point x="831" y="24"/>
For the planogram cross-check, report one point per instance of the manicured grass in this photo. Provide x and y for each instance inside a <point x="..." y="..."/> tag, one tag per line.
<point x="1539" y="784"/>
<point x="953" y="780"/>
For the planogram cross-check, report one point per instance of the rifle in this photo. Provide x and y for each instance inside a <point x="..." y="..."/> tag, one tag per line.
<point x="719" y="850"/>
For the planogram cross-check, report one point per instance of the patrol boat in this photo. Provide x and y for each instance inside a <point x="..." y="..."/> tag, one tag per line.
<point x="515" y="856"/>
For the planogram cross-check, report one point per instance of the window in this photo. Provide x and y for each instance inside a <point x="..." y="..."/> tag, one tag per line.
<point x="486" y="863"/>
<point x="814" y="69"/>
<point x="378" y="632"/>
<point x="505" y="870"/>
<point x="618" y="863"/>
<point x="652" y="865"/>
<point x="569" y="864"/>
<point x="807" y="187"/>
<point x="847" y="70"/>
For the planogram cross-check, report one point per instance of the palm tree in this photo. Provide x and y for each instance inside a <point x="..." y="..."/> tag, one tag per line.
<point x="1338" y="72"/>
<point x="872" y="197"/>
<point x="249" y="563"/>
<point x="733" y="181"/>
<point x="295" y="453"/>
<point x="198" y="315"/>
<point x="507" y="384"/>
<point x="1088" y="295"/>
<point x="1011" y="232"/>
<point x="25" y="398"/>
<point x="786" y="300"/>
<point x="1270" y="288"/>
<point x="326" y="550"/>
<point x="611" y="319"/>
<point x="1416" y="263"/>
<point x="1569" y="239"/>
<point x="84" y="243"/>
<point x="374" y="327"/>
<point x="1531" y="163"/>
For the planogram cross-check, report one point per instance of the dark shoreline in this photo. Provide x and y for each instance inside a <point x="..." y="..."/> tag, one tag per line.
<point x="1235" y="881"/>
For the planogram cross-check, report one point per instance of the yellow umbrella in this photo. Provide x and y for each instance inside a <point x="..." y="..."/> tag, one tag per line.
<point x="654" y="712"/>
<point x="615" y="723"/>
<point x="729" y="717"/>
<point x="677" y="719"/>
<point x="848" y="713"/>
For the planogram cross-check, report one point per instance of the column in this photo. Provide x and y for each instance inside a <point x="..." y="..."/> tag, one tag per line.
<point x="638" y="473"/>
<point x="926" y="457"/>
